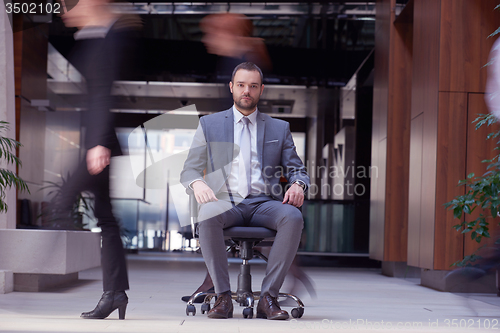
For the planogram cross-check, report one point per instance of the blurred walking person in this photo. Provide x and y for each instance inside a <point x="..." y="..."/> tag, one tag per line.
<point x="102" y="41"/>
<point x="230" y="37"/>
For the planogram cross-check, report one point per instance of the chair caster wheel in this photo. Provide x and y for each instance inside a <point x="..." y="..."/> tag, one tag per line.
<point x="248" y="313"/>
<point x="190" y="308"/>
<point x="297" y="312"/>
<point x="205" y="307"/>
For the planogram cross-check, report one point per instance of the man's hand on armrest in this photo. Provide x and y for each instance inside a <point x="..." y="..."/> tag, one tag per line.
<point x="203" y="193"/>
<point x="294" y="196"/>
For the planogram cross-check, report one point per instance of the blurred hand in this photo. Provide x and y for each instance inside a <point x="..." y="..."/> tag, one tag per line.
<point x="97" y="159"/>
<point x="294" y="196"/>
<point x="203" y="193"/>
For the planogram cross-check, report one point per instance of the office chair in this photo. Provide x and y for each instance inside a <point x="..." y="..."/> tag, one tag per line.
<point x="243" y="239"/>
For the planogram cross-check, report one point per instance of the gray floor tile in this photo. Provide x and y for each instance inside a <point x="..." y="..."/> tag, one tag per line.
<point x="349" y="300"/>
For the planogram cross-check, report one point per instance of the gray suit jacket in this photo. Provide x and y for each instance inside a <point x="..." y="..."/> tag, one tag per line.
<point x="213" y="149"/>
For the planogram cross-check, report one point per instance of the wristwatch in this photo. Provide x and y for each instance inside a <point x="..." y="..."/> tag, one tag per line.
<point x="301" y="184"/>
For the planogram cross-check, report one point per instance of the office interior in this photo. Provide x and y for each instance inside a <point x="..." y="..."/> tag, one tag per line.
<point x="380" y="97"/>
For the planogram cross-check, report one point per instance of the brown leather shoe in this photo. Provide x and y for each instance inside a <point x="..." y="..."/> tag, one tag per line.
<point x="269" y="308"/>
<point x="223" y="307"/>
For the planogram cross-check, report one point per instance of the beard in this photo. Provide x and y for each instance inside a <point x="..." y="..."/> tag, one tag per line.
<point x="246" y="105"/>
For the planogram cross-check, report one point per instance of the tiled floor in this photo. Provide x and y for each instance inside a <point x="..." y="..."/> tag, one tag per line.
<point x="348" y="300"/>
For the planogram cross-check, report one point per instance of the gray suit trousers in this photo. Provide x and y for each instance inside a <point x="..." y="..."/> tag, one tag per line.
<point x="254" y="211"/>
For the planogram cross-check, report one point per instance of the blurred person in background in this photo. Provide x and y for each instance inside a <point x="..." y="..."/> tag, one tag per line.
<point x="492" y="96"/>
<point x="229" y="36"/>
<point x="102" y="40"/>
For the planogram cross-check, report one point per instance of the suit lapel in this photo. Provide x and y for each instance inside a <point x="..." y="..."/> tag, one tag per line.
<point x="229" y="132"/>
<point x="261" y="129"/>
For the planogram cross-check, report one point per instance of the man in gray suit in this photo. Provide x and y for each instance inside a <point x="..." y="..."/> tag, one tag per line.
<point x="243" y="153"/>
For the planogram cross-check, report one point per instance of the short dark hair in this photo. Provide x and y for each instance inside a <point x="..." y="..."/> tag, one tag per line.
<point x="249" y="66"/>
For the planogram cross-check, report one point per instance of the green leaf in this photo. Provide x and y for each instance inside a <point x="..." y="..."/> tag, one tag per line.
<point x="467" y="260"/>
<point x="491" y="119"/>
<point x="494" y="210"/>
<point x="8" y="178"/>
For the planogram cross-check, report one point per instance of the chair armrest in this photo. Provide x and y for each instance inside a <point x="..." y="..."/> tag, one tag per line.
<point x="193" y="206"/>
<point x="193" y="210"/>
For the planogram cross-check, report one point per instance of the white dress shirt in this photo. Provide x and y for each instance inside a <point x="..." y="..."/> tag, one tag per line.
<point x="258" y="185"/>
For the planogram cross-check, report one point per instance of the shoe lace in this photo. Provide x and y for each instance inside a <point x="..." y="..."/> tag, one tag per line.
<point x="221" y="299"/>
<point x="270" y="300"/>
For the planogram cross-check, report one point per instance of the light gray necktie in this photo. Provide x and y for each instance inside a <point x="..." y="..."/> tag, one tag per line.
<point x="244" y="185"/>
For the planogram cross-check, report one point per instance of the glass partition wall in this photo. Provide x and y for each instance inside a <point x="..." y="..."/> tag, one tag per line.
<point x="148" y="216"/>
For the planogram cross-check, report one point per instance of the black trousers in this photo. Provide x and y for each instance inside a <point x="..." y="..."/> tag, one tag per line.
<point x="114" y="267"/>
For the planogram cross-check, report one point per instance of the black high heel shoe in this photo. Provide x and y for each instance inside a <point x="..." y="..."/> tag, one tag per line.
<point x="109" y="302"/>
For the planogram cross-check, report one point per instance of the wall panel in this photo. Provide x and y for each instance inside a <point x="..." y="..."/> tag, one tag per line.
<point x="379" y="126"/>
<point x="414" y="196"/>
<point x="465" y="27"/>
<point x="426" y="26"/>
<point x="451" y="161"/>
<point x="30" y="49"/>
<point x="377" y="220"/>
<point x="32" y="136"/>
<point x="385" y="17"/>
<point x="398" y="143"/>
<point x="424" y="101"/>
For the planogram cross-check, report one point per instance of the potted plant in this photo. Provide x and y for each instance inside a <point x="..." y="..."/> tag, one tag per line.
<point x="72" y="219"/>
<point x="8" y="156"/>
<point x="483" y="193"/>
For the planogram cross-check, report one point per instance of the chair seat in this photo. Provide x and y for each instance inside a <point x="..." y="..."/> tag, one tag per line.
<point x="249" y="232"/>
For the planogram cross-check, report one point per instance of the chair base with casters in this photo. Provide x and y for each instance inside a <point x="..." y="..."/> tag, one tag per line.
<point x="244" y="239"/>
